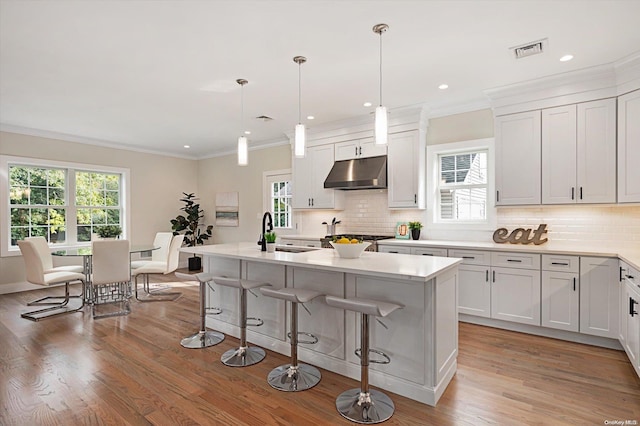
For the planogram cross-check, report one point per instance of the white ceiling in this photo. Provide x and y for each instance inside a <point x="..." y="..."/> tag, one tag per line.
<point x="156" y="75"/>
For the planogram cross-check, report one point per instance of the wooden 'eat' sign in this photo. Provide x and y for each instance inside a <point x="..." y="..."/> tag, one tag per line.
<point x="521" y="236"/>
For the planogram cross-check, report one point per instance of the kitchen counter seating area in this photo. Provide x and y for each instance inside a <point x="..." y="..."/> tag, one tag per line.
<point x="420" y="338"/>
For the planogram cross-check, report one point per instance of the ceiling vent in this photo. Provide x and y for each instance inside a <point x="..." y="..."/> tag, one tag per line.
<point x="529" y="49"/>
<point x="264" y="118"/>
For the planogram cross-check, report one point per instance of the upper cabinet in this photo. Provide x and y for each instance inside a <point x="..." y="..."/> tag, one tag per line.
<point x="309" y="174"/>
<point x="406" y="170"/>
<point x="358" y="148"/>
<point x="518" y="159"/>
<point x="629" y="147"/>
<point x="579" y="153"/>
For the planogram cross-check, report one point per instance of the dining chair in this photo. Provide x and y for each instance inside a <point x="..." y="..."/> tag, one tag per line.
<point x="44" y="253"/>
<point x="35" y="269"/>
<point x="162" y="241"/>
<point x="166" y="266"/>
<point x="111" y="278"/>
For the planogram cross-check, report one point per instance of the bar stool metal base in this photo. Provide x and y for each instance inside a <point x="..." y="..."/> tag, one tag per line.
<point x="293" y="379"/>
<point x="243" y="357"/>
<point x="367" y="408"/>
<point x="202" y="339"/>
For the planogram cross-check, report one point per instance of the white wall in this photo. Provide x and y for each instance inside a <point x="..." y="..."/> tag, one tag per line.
<point x="157" y="183"/>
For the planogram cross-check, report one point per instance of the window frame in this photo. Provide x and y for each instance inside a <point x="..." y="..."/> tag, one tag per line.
<point x="70" y="168"/>
<point x="434" y="152"/>
<point x="267" y="178"/>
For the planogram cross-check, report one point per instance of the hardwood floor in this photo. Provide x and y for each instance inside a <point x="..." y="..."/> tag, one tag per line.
<point x="132" y="370"/>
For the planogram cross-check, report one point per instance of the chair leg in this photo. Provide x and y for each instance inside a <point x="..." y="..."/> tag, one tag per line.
<point x="61" y="300"/>
<point x="59" y="309"/>
<point x="365" y="405"/>
<point x="153" y="296"/>
<point x="203" y="338"/>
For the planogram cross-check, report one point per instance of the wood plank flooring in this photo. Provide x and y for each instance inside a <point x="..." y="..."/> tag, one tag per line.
<point x="131" y="370"/>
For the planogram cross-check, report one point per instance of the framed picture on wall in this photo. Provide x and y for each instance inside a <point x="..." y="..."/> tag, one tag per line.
<point x="402" y="231"/>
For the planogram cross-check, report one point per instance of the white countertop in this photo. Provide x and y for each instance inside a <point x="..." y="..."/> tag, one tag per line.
<point x="394" y="266"/>
<point x="629" y="255"/>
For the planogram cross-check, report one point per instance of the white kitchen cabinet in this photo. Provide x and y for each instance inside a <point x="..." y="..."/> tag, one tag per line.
<point x="406" y="170"/>
<point x="630" y="313"/>
<point x="599" y="296"/>
<point x="393" y="249"/>
<point x="309" y="174"/>
<point x="622" y="324"/>
<point x="358" y="148"/>
<point x="629" y="147"/>
<point x="579" y="153"/>
<point x="474" y="290"/>
<point x="560" y="300"/>
<point x="518" y="150"/>
<point x="515" y="295"/>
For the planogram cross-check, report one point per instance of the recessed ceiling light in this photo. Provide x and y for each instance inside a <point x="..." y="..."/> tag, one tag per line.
<point x="443" y="86"/>
<point x="367" y="104"/>
<point x="566" y="58"/>
<point x="310" y="117"/>
<point x="187" y="146"/>
<point x="247" y="132"/>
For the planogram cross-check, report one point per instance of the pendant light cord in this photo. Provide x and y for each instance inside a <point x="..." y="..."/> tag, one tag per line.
<point x="381" y="68"/>
<point x="242" y="109"/>
<point x="299" y="93"/>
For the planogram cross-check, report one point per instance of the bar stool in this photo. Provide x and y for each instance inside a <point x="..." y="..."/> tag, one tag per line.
<point x="203" y="338"/>
<point x="244" y="355"/>
<point x="365" y="405"/>
<point x="294" y="377"/>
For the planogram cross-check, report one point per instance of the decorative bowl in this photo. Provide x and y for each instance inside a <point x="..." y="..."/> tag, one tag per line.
<point x="349" y="251"/>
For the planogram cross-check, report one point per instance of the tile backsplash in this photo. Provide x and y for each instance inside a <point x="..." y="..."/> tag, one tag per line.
<point x="366" y="212"/>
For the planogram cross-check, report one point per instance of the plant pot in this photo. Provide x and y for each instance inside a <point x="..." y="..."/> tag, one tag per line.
<point x="415" y="234"/>
<point x="271" y="247"/>
<point x="195" y="263"/>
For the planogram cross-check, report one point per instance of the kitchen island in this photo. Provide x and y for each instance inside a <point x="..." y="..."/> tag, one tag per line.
<point x="421" y="338"/>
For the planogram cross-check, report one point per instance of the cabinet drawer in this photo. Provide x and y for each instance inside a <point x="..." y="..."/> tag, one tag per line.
<point x="515" y="260"/>
<point x="300" y="243"/>
<point x="429" y="251"/>
<point x="472" y="257"/>
<point x="393" y="249"/>
<point x="560" y="263"/>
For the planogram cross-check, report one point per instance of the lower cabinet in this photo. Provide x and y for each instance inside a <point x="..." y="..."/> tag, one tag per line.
<point x="599" y="296"/>
<point x="474" y="290"/>
<point x="515" y="295"/>
<point x="560" y="300"/>
<point x="630" y="314"/>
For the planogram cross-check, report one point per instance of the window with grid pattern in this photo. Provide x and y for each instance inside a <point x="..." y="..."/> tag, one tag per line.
<point x="462" y="186"/>
<point x="281" y="203"/>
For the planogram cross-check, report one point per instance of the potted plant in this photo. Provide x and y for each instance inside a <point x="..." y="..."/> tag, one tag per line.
<point x="270" y="238"/>
<point x="194" y="234"/>
<point x="415" y="228"/>
<point x="108" y="231"/>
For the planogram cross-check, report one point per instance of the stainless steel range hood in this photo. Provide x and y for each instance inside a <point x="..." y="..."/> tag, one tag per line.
<point x="359" y="173"/>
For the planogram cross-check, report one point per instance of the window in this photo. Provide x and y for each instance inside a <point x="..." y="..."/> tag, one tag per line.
<point x="277" y="200"/>
<point x="65" y="203"/>
<point x="462" y="186"/>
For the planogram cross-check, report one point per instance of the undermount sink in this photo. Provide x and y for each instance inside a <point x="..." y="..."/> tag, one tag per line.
<point x="295" y="249"/>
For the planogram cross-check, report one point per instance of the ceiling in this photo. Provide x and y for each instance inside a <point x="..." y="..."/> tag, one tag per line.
<point x="156" y="76"/>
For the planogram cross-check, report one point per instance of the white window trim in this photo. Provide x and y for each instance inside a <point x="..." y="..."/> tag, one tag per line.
<point x="433" y="152"/>
<point x="266" y="191"/>
<point x="5" y="216"/>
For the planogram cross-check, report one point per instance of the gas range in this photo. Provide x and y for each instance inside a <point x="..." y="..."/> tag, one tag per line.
<point x="373" y="239"/>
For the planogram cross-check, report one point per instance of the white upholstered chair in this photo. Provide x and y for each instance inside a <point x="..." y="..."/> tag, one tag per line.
<point x="166" y="266"/>
<point x="111" y="278"/>
<point x="38" y="274"/>
<point x="162" y="240"/>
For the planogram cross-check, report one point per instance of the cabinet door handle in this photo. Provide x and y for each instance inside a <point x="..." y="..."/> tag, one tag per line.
<point x="415" y="198"/>
<point x="288" y="244"/>
<point x="393" y="251"/>
<point x="574" y="283"/>
<point x="356" y="148"/>
<point x="497" y="196"/>
<point x="621" y="275"/>
<point x="427" y="254"/>
<point x="312" y="202"/>
<point x="360" y="150"/>
<point x="514" y="260"/>
<point x="309" y="202"/>
<point x="632" y="311"/>
<point x="573" y="192"/>
<point x="486" y="276"/>
<point x="494" y="276"/>
<point x="468" y="257"/>
<point x="560" y="263"/>
<point x="581" y="193"/>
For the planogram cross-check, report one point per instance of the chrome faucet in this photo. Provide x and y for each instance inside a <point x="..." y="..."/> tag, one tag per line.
<point x="266" y="227"/>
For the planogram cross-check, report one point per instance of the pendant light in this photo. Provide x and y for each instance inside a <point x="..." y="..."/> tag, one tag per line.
<point x="243" y="148"/>
<point x="299" y="139"/>
<point x="381" y="126"/>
